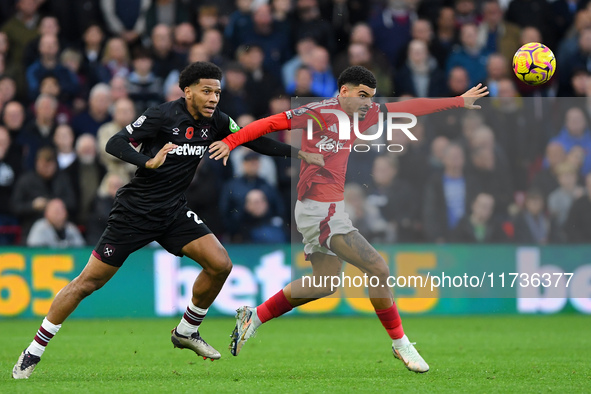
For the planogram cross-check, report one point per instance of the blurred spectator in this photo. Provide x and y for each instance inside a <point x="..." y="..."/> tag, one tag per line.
<point x="491" y="177"/>
<point x="420" y="76"/>
<point x="457" y="81"/>
<point x="396" y="200"/>
<point x="545" y="180"/>
<point x="302" y="84"/>
<point x="234" y="195"/>
<point x="304" y="48"/>
<point x="13" y="118"/>
<point x="438" y="147"/>
<point x="97" y="113"/>
<point x="51" y="86"/>
<point x="561" y="199"/>
<point x="163" y="57"/>
<point x="207" y="17"/>
<point x="74" y="16"/>
<point x="535" y="13"/>
<point x="86" y="174"/>
<point x="184" y="35"/>
<point x="197" y="53"/>
<point x="237" y="22"/>
<point x="167" y="12"/>
<point x="49" y="63"/>
<point x="22" y="29"/>
<point x="497" y="35"/>
<point x="237" y="100"/>
<point x="7" y="89"/>
<point x="446" y="33"/>
<point x="577" y="59"/>
<point x="578" y="223"/>
<point x="366" y="217"/>
<point x="516" y="131"/>
<point x="259" y="78"/>
<point x="497" y="68"/>
<point x="447" y="196"/>
<point x="173" y="93"/>
<point x="116" y="57"/>
<point x="273" y="37"/>
<point x="532" y="225"/>
<point x="480" y="226"/>
<point x="48" y="25"/>
<point x="309" y="23"/>
<point x="576" y="133"/>
<point x="423" y="31"/>
<point x="466" y="13"/>
<point x="324" y="84"/>
<point x="118" y="88"/>
<point x="143" y="86"/>
<point x="470" y="55"/>
<point x="54" y="230"/>
<point x="101" y="208"/>
<point x="282" y="10"/>
<point x="391" y="28"/>
<point x="126" y="19"/>
<point x="259" y="226"/>
<point x="63" y="139"/>
<point x="123" y="114"/>
<point x="10" y="169"/>
<point x="92" y="52"/>
<point x="39" y="131"/>
<point x="213" y="44"/>
<point x="267" y="169"/>
<point x="35" y="188"/>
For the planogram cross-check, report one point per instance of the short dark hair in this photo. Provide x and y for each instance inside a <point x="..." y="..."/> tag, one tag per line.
<point x="357" y="75"/>
<point x="198" y="70"/>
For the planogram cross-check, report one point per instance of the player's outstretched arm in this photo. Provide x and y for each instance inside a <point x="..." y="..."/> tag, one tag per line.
<point x="425" y="106"/>
<point x="251" y="132"/>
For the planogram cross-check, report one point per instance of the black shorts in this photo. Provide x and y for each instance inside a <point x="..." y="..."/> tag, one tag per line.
<point x="127" y="232"/>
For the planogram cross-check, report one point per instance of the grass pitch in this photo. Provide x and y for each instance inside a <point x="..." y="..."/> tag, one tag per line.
<point x="308" y="355"/>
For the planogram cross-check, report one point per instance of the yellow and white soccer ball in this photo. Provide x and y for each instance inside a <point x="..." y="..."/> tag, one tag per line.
<point x="534" y="63"/>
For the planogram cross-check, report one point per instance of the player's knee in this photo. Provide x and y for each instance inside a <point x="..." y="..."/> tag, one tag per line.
<point x="222" y="267"/>
<point x="85" y="287"/>
<point x="379" y="269"/>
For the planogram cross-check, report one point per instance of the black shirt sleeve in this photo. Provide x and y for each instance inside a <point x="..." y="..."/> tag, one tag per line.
<point x="144" y="128"/>
<point x="269" y="147"/>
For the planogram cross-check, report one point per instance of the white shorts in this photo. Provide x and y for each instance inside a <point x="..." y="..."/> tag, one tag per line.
<point x="319" y="221"/>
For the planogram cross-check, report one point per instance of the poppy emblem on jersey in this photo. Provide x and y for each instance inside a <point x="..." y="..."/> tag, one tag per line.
<point x="139" y="121"/>
<point x="189" y="133"/>
<point x="108" y="250"/>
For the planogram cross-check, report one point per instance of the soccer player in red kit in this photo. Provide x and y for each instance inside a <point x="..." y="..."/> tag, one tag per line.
<point x="329" y="236"/>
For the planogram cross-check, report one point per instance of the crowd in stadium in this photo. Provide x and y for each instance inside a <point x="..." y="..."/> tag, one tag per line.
<point x="72" y="74"/>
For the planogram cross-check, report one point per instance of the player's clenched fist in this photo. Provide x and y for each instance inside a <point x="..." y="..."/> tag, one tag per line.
<point x="158" y="160"/>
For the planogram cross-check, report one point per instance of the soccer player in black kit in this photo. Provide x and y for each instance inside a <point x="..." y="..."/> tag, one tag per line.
<point x="152" y="207"/>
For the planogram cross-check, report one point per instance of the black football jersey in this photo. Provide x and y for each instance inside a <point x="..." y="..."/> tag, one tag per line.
<point x="160" y="192"/>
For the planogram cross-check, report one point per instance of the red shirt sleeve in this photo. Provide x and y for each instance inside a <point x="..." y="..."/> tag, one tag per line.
<point x="257" y="129"/>
<point x="425" y="106"/>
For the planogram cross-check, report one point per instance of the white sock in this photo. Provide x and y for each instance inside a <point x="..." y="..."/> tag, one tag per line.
<point x="191" y="320"/>
<point x="398" y="343"/>
<point x="36" y="348"/>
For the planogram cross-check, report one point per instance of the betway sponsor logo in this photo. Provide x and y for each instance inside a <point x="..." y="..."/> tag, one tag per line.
<point x="189" y="150"/>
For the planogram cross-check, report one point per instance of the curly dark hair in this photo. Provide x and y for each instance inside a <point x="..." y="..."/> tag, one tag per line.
<point x="195" y="71"/>
<point x="357" y="75"/>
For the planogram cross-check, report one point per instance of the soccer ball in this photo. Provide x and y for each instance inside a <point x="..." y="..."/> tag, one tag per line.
<point x="534" y="63"/>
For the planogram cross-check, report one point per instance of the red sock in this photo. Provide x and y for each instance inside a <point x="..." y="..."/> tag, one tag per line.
<point x="274" y="307"/>
<point x="391" y="321"/>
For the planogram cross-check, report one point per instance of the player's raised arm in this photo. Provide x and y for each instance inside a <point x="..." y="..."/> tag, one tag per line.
<point x="425" y="106"/>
